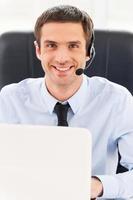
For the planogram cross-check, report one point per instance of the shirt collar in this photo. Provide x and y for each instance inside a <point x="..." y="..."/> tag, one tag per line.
<point x="50" y="101"/>
<point x="75" y="102"/>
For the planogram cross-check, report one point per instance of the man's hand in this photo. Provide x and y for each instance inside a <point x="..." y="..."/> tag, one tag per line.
<point x="96" y="188"/>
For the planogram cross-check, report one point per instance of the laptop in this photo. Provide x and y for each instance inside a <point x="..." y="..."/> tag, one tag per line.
<point x="44" y="163"/>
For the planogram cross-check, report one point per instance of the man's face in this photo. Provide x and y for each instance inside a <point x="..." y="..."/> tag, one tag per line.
<point x="62" y="50"/>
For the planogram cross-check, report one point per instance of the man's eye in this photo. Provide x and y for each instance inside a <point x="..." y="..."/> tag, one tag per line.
<point x="71" y="46"/>
<point x="51" y="45"/>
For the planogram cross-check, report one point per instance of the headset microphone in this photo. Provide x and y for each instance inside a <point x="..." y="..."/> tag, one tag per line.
<point x="91" y="51"/>
<point x="80" y="71"/>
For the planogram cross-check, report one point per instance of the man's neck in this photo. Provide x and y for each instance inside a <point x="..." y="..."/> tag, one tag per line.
<point x="63" y="93"/>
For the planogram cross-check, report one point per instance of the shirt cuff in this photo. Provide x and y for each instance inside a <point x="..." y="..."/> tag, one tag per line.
<point x="110" y="186"/>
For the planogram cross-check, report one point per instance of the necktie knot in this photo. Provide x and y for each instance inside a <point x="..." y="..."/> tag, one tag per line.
<point x="61" y="110"/>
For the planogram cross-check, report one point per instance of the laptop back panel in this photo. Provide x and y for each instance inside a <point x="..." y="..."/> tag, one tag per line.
<point x="40" y="162"/>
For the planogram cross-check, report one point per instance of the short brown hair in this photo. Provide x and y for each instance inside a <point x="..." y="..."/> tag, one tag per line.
<point x="65" y="13"/>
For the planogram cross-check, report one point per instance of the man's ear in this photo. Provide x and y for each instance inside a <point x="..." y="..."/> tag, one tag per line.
<point x="87" y="58"/>
<point x="37" y="49"/>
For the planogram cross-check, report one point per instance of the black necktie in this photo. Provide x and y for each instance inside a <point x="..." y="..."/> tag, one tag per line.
<point x="61" y="111"/>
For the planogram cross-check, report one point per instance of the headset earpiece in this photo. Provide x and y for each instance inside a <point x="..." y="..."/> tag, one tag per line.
<point x="91" y="51"/>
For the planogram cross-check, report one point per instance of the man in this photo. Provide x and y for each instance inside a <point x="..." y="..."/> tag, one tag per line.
<point x="64" y="42"/>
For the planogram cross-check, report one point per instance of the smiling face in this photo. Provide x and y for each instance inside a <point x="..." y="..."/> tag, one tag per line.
<point x="62" y="50"/>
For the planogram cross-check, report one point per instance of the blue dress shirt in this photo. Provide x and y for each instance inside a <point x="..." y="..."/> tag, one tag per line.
<point x="103" y="107"/>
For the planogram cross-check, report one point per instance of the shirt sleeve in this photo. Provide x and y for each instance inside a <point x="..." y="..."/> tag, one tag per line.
<point x="6" y="108"/>
<point x="121" y="185"/>
<point x="117" y="186"/>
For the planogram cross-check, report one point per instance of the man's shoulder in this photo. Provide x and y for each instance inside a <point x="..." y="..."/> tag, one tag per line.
<point x="24" y="86"/>
<point x="107" y="84"/>
<point x="104" y="87"/>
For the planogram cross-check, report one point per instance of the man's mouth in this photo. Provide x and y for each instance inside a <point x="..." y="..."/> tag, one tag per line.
<point x="62" y="69"/>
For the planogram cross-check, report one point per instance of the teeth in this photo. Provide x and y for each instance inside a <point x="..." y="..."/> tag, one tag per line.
<point x="63" y="69"/>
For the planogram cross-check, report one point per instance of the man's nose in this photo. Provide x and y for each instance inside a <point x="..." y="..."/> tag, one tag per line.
<point x="62" y="55"/>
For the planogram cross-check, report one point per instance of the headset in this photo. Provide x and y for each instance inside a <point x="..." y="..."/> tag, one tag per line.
<point x="92" y="53"/>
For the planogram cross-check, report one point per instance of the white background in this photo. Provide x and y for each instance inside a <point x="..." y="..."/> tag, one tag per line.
<point x="106" y="14"/>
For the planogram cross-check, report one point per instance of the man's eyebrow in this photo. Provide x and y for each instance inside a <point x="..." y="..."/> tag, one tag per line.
<point x="49" y="41"/>
<point x="75" y="41"/>
<point x="69" y="42"/>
